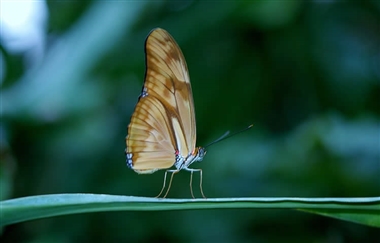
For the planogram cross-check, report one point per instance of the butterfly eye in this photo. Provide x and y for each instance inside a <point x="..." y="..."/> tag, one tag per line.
<point x="162" y="131"/>
<point x="202" y="152"/>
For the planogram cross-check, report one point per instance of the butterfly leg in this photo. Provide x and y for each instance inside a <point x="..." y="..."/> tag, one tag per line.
<point x="191" y="184"/>
<point x="164" y="184"/>
<point x="170" y="182"/>
<point x="191" y="181"/>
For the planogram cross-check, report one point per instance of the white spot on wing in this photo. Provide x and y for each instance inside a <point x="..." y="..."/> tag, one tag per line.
<point x="144" y="92"/>
<point x="129" y="160"/>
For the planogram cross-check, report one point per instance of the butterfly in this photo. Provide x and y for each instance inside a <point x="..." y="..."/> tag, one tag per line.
<point x="162" y="131"/>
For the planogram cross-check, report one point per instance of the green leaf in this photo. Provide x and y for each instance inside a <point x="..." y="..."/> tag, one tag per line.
<point x="360" y="210"/>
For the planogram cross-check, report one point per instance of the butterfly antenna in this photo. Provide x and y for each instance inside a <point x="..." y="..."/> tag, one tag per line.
<point x="228" y="135"/>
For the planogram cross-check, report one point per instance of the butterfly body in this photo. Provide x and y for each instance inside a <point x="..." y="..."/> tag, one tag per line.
<point x="162" y="131"/>
<point x="184" y="162"/>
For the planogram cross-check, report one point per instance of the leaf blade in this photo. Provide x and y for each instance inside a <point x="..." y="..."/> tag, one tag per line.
<point x="359" y="210"/>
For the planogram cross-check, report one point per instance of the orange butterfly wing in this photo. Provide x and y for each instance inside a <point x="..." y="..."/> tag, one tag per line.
<point x="163" y="122"/>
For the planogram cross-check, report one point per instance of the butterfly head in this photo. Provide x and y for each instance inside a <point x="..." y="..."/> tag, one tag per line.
<point x="199" y="153"/>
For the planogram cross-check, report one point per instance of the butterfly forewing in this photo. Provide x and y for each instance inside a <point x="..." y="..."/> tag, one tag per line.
<point x="163" y="122"/>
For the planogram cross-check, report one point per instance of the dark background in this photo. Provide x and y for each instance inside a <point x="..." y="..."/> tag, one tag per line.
<point x="305" y="73"/>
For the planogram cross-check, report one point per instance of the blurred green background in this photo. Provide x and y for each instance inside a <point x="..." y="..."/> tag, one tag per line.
<point x="305" y="73"/>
